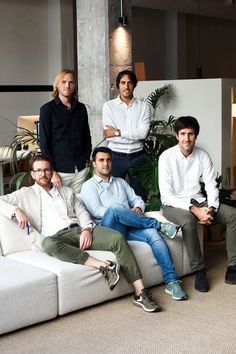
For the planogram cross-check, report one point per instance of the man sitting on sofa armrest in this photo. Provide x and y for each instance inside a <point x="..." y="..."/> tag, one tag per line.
<point x="68" y="229"/>
<point x="182" y="168"/>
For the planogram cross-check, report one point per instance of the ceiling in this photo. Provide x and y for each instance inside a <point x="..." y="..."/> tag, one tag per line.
<point x="212" y="8"/>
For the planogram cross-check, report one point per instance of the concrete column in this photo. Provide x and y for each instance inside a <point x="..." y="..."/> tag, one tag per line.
<point x="104" y="49"/>
<point x="93" y="60"/>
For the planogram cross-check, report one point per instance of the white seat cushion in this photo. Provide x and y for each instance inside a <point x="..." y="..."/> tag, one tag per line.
<point x="12" y="238"/>
<point x="78" y="285"/>
<point x="28" y="295"/>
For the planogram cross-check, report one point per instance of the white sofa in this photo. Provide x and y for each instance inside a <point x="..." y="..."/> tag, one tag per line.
<point x="35" y="287"/>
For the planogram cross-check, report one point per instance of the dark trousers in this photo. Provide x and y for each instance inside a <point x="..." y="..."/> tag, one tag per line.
<point x="120" y="168"/>
<point x="226" y="216"/>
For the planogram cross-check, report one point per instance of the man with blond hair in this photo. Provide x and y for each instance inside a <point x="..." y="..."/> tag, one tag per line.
<point x="64" y="132"/>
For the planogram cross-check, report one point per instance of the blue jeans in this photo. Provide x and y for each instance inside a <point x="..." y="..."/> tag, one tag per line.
<point x="136" y="227"/>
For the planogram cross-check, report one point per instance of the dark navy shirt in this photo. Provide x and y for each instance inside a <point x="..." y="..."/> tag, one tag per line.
<point x="64" y="134"/>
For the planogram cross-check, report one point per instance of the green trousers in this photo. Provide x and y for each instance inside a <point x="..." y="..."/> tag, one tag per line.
<point x="65" y="246"/>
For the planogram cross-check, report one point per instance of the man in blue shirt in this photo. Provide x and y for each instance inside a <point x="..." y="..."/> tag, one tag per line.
<point x="113" y="203"/>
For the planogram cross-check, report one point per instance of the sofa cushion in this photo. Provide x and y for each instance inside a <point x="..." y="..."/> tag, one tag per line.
<point x="78" y="285"/>
<point x="13" y="239"/>
<point x="28" y="295"/>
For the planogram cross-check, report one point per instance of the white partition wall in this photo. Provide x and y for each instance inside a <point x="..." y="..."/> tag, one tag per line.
<point x="208" y="100"/>
<point x="31" y="54"/>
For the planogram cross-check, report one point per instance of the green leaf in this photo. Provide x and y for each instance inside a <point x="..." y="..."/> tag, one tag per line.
<point x="153" y="204"/>
<point x="160" y="137"/>
<point x="22" y="137"/>
<point x="17" y="180"/>
<point x="154" y="98"/>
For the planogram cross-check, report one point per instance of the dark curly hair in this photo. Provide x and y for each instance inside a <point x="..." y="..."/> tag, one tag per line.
<point x="131" y="75"/>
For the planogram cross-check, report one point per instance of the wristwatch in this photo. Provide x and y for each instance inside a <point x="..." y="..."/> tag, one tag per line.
<point x="117" y="132"/>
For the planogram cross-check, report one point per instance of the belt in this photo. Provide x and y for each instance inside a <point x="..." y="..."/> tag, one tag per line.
<point x="132" y="154"/>
<point x="71" y="226"/>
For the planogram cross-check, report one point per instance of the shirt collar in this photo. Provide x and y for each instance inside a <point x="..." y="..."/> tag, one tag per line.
<point x="181" y="156"/>
<point x="40" y="189"/>
<point x="119" y="101"/>
<point x="99" y="179"/>
<point x="58" y="102"/>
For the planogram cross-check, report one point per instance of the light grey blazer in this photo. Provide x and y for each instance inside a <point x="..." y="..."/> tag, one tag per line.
<point x="28" y="199"/>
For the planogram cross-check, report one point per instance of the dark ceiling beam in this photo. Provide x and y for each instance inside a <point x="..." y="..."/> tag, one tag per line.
<point x="26" y="88"/>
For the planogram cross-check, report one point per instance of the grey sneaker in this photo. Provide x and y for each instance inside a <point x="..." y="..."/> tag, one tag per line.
<point x="169" y="229"/>
<point x="144" y="300"/>
<point x="111" y="274"/>
<point x="174" y="289"/>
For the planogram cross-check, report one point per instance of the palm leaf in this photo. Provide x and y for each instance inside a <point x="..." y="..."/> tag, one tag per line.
<point x="154" y="203"/>
<point x="160" y="137"/>
<point x="22" y="137"/>
<point x="154" y="98"/>
<point x="17" y="180"/>
<point x="147" y="174"/>
<point x="157" y="141"/>
<point x="162" y="126"/>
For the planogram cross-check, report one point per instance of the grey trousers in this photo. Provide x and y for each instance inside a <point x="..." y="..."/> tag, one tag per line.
<point x="64" y="245"/>
<point x="226" y="216"/>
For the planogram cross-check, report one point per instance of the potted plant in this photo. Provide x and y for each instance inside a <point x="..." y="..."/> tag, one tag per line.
<point x="27" y="141"/>
<point x="159" y="138"/>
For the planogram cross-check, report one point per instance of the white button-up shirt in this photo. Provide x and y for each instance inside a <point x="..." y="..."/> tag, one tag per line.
<point x="54" y="212"/>
<point x="180" y="177"/>
<point x="133" y="120"/>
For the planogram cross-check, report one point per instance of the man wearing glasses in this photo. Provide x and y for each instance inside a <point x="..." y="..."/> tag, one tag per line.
<point x="68" y="230"/>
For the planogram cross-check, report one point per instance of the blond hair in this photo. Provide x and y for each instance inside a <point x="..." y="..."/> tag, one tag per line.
<point x="60" y="77"/>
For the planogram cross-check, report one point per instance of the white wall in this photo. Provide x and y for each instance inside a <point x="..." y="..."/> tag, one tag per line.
<point x="30" y="37"/>
<point x="208" y="101"/>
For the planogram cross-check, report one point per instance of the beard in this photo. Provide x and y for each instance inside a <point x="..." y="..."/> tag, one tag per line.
<point x="44" y="182"/>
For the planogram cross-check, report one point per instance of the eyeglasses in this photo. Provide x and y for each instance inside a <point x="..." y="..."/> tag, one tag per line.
<point x="41" y="171"/>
